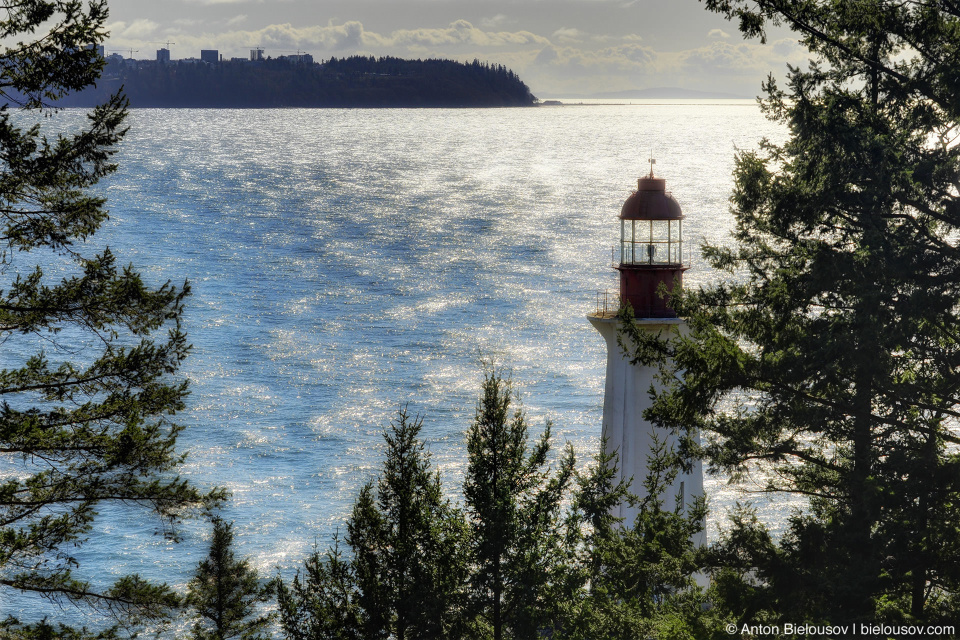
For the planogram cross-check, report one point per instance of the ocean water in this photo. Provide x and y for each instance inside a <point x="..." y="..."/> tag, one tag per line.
<point x="348" y="263"/>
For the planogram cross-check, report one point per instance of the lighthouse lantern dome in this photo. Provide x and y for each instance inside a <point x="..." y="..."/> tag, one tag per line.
<point x="651" y="226"/>
<point x="651" y="248"/>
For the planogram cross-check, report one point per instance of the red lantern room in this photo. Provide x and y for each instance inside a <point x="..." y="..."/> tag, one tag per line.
<point x="651" y="248"/>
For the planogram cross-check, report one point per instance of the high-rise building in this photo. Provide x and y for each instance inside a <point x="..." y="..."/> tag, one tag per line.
<point x="210" y="55"/>
<point x="98" y="48"/>
<point x="163" y="55"/>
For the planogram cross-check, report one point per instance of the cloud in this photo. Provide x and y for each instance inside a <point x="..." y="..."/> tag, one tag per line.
<point x="136" y="30"/>
<point x="574" y="36"/>
<point x="496" y="21"/>
<point x="730" y="67"/>
<point x="627" y="58"/>
<point x="789" y="48"/>
<point x="718" y="33"/>
<point x="327" y="39"/>
<point x="351" y="35"/>
<point x="461" y="33"/>
<point x="724" y="58"/>
<point x="546" y="56"/>
<point x="338" y="38"/>
<point x="235" y="20"/>
<point x="568" y="35"/>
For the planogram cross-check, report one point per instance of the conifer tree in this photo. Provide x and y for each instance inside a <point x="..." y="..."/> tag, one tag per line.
<point x="87" y="389"/>
<point x="830" y="357"/>
<point x="639" y="579"/>
<point x="406" y="569"/>
<point x="225" y="593"/>
<point x="408" y="543"/>
<point x="320" y="603"/>
<point x="513" y="505"/>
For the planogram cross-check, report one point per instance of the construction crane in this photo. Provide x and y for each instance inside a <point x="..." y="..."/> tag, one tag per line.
<point x="132" y="51"/>
<point x="167" y="44"/>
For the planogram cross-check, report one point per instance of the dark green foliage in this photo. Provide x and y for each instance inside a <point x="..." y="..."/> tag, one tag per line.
<point x="528" y="557"/>
<point x="225" y="593"/>
<point x="406" y="574"/>
<point x="407" y="544"/>
<point x="637" y="580"/>
<point x="47" y="68"/>
<point x="513" y="505"/>
<point x="87" y="391"/>
<point x="321" y="601"/>
<point x="11" y="630"/>
<point x="347" y="82"/>
<point x="830" y="357"/>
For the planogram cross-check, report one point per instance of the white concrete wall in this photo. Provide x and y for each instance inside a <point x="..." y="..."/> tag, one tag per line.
<point x="626" y="396"/>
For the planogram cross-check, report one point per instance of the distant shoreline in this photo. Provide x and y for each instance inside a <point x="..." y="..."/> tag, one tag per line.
<point x="650" y="102"/>
<point x="355" y="82"/>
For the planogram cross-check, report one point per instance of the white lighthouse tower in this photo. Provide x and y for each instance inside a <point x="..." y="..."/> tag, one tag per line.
<point x="650" y="253"/>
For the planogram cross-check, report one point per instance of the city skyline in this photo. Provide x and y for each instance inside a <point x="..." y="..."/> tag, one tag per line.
<point x="558" y="47"/>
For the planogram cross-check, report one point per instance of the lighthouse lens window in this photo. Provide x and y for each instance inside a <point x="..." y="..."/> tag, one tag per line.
<point x="660" y="230"/>
<point x="651" y="242"/>
<point x="657" y="250"/>
<point x="626" y="241"/>
<point x="676" y="251"/>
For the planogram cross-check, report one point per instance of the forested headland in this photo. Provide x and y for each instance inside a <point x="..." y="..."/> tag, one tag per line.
<point x="357" y="81"/>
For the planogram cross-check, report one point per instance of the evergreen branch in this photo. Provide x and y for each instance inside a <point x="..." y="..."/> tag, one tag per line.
<point x="122" y="597"/>
<point x="821" y="36"/>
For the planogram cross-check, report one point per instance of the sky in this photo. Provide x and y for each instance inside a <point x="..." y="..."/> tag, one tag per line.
<point x="558" y="47"/>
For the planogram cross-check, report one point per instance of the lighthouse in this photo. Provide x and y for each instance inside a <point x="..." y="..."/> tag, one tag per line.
<point x="650" y="254"/>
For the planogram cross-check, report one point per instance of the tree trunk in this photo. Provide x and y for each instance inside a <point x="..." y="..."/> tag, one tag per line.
<point x="863" y="569"/>
<point x="918" y="591"/>
<point x="498" y="604"/>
